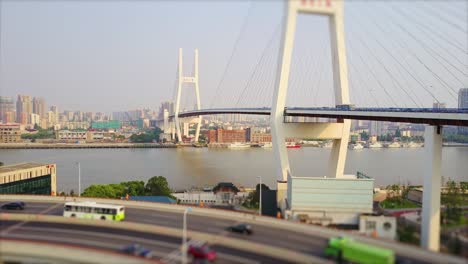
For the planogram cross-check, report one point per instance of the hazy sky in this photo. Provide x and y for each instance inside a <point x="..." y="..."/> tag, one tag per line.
<point x="121" y="55"/>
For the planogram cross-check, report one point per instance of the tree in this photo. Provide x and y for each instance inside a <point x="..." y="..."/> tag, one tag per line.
<point x="253" y="199"/>
<point x="398" y="133"/>
<point x="1" y="163"/>
<point x="158" y="186"/>
<point x="133" y="188"/>
<point x="364" y="136"/>
<point x="101" y="191"/>
<point x="452" y="200"/>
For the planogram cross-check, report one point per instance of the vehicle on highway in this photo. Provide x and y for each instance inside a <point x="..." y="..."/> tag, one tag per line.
<point x="241" y="228"/>
<point x="137" y="250"/>
<point x="346" y="249"/>
<point x="202" y="252"/>
<point x="93" y="210"/>
<point x="14" y="206"/>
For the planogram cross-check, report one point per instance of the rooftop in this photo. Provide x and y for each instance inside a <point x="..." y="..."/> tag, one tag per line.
<point x="21" y="166"/>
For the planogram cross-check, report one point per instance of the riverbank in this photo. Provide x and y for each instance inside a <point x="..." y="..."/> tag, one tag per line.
<point x="83" y="145"/>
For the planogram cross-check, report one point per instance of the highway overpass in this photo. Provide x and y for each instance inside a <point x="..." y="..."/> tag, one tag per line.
<point x="158" y="226"/>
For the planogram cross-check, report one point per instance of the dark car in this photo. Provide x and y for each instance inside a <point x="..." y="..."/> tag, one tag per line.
<point x="137" y="250"/>
<point x="202" y="252"/>
<point x="241" y="228"/>
<point x="14" y="206"/>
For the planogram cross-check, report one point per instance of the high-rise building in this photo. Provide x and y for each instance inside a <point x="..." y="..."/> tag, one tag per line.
<point x="35" y="119"/>
<point x="463" y="103"/>
<point x="55" y="110"/>
<point x="166" y="105"/>
<point x="375" y="128"/>
<point x="24" y="109"/>
<point x="7" y="109"/>
<point x="39" y="107"/>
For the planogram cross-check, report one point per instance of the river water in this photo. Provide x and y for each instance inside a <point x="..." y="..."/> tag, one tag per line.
<point x="186" y="167"/>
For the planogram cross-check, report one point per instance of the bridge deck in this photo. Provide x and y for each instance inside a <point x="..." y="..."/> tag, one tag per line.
<point x="451" y="116"/>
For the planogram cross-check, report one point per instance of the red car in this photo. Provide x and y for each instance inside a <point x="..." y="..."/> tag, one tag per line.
<point x="202" y="252"/>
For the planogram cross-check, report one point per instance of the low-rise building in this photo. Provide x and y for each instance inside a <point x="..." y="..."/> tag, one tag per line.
<point x="378" y="226"/>
<point x="10" y="133"/>
<point x="28" y="178"/>
<point x="226" y="136"/>
<point x="321" y="200"/>
<point x="80" y="135"/>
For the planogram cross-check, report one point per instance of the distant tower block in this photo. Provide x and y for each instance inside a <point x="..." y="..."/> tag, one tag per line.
<point x="181" y="80"/>
<point x="339" y="131"/>
<point x="166" y="127"/>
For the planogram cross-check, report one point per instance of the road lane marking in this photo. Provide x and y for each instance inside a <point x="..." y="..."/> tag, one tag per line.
<point x="20" y="224"/>
<point x="101" y="235"/>
<point x="237" y="259"/>
<point x="84" y="242"/>
<point x="230" y="242"/>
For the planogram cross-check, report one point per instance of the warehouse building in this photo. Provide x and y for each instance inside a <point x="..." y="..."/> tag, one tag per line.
<point x="28" y="178"/>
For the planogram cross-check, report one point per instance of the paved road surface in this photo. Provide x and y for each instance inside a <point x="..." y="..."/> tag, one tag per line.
<point x="278" y="237"/>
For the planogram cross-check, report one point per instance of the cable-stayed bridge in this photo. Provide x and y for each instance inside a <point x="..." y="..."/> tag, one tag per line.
<point x="403" y="103"/>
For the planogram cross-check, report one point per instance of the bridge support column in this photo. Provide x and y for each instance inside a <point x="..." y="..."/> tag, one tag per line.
<point x="430" y="226"/>
<point x="181" y="80"/>
<point x="338" y="153"/>
<point x="334" y="10"/>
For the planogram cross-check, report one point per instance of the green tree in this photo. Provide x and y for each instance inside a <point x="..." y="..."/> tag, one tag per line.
<point x="158" y="186"/>
<point x="253" y="199"/>
<point x="103" y="191"/>
<point x="398" y="133"/>
<point x="452" y="200"/>
<point x="133" y="188"/>
<point x="1" y="163"/>
<point x="364" y="136"/>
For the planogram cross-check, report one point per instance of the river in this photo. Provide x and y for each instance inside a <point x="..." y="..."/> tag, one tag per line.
<point x="186" y="167"/>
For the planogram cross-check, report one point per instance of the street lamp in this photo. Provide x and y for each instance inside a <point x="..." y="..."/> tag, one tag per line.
<point x="184" y="236"/>
<point x="79" y="179"/>
<point x="260" y="205"/>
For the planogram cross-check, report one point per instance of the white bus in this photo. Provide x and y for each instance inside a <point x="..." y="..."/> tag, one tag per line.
<point x="93" y="210"/>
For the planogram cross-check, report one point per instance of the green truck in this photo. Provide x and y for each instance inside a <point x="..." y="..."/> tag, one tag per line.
<point x="346" y="249"/>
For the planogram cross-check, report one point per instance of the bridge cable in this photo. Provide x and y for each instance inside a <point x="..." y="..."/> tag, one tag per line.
<point x="316" y="70"/>
<point x="231" y="56"/>
<point x="266" y="72"/>
<point x="264" y="82"/>
<point x="357" y="73"/>
<point x="270" y="41"/>
<point x="434" y="74"/>
<point x="319" y="79"/>
<point x="382" y="64"/>
<point x="453" y="42"/>
<point x="454" y="12"/>
<point x="441" y="18"/>
<point x="376" y="24"/>
<point x="426" y="48"/>
<point x="370" y="69"/>
<point x="406" y="48"/>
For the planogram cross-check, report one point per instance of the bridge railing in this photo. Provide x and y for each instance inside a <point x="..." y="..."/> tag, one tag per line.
<point x="384" y="109"/>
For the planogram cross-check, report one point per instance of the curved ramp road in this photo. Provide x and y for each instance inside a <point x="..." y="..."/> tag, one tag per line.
<point x="210" y="224"/>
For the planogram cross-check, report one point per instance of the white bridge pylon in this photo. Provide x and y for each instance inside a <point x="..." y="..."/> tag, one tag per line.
<point x="339" y="131"/>
<point x="181" y="80"/>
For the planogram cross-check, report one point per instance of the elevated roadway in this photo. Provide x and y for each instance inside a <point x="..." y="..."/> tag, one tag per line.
<point x="304" y="240"/>
<point x="455" y="117"/>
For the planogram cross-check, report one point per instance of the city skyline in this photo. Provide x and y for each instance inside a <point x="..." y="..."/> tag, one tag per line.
<point x="128" y="60"/>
